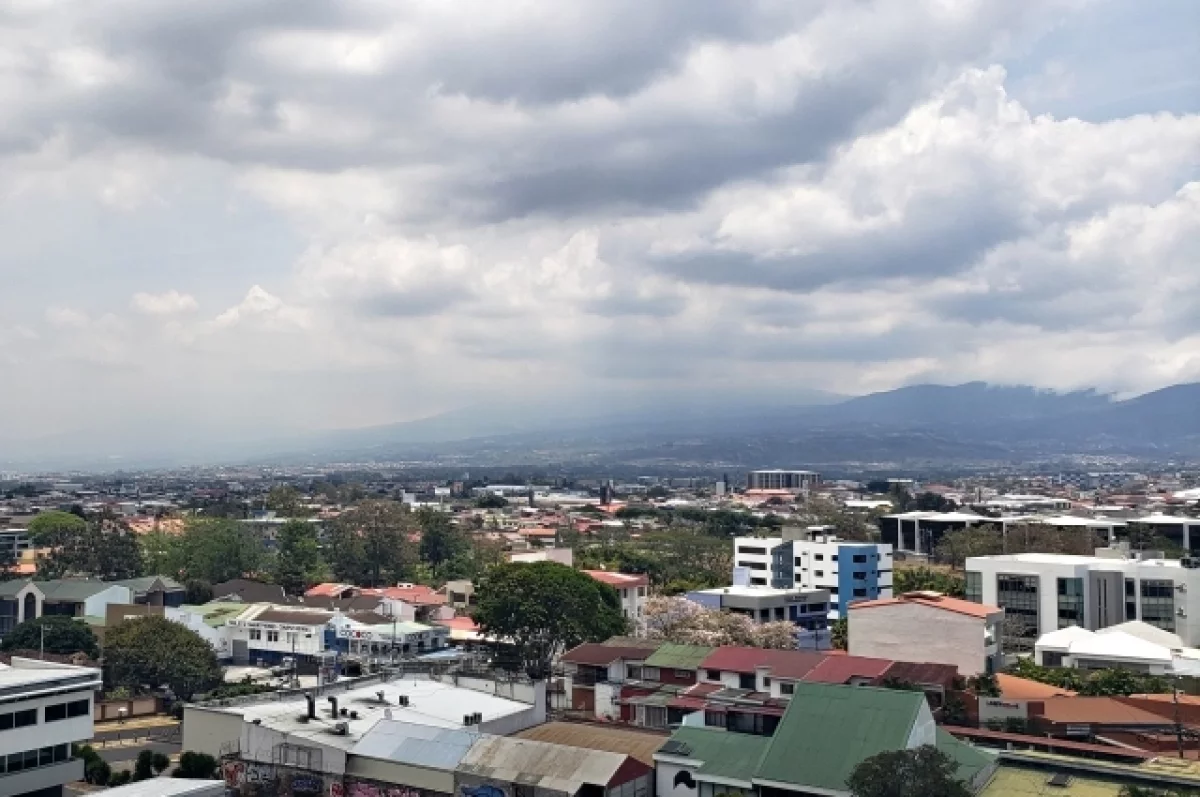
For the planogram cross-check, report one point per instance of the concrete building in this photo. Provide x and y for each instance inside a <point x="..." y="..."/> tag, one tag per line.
<point x="849" y="571"/>
<point x="1181" y="531"/>
<point x="928" y="627"/>
<point x="790" y="480"/>
<point x="442" y="737"/>
<point x="1052" y="591"/>
<point x="1134" y="645"/>
<point x="631" y="588"/>
<point x="807" y="609"/>
<point x="46" y="708"/>
<point x="919" y="532"/>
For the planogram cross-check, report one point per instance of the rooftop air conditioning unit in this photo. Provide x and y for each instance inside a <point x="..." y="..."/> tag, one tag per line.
<point x="341" y="729"/>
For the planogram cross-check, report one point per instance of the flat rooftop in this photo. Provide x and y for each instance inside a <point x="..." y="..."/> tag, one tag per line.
<point x="758" y="592"/>
<point x="431" y="703"/>
<point x="34" y="674"/>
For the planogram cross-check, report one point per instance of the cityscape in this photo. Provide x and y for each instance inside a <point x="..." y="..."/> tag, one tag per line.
<point x="699" y="398"/>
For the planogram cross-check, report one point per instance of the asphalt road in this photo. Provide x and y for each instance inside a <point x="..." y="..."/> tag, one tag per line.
<point x="130" y="754"/>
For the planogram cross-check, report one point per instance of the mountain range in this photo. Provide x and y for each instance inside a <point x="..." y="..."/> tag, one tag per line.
<point x="918" y="425"/>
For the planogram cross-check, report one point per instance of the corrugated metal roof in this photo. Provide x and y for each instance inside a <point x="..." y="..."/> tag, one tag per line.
<point x="409" y="743"/>
<point x="602" y="655"/>
<point x="549" y="766"/>
<point x="679" y="657"/>
<point x="922" y="673"/>
<point x="840" y="669"/>
<point x="828" y="730"/>
<point x="640" y="743"/>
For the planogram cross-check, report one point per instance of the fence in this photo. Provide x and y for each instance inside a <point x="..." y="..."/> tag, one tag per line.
<point x="135" y="707"/>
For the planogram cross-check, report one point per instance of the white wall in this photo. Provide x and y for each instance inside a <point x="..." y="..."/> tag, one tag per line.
<point x="217" y="637"/>
<point x="97" y="605"/>
<point x="205" y="729"/>
<point x="605" y="705"/>
<point x="47" y="734"/>
<point x="912" y="632"/>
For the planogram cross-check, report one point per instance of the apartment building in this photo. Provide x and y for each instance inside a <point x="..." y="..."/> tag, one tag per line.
<point x="44" y="708"/>
<point x="792" y="480"/>
<point x="1046" y="592"/>
<point x="630" y="588"/>
<point x="928" y="627"/>
<point x="849" y="571"/>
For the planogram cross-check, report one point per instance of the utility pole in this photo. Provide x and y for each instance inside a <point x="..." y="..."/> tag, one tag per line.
<point x="1178" y="724"/>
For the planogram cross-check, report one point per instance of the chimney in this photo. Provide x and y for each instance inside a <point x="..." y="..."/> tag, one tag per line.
<point x="312" y="705"/>
<point x="333" y="706"/>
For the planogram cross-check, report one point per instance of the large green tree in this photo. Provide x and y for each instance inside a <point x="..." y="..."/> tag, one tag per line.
<point x="103" y="548"/>
<point x="927" y="579"/>
<point x="153" y="652"/>
<point x="920" y="772"/>
<point x="215" y="550"/>
<point x="298" y="563"/>
<point x="369" y="544"/>
<point x="444" y="547"/>
<point x="47" y="527"/>
<point x="544" y="608"/>
<point x="62" y="635"/>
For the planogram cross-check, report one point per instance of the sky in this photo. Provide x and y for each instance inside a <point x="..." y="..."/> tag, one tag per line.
<point x="249" y="217"/>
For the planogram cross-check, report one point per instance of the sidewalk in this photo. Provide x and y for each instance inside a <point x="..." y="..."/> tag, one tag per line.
<point x="138" y="723"/>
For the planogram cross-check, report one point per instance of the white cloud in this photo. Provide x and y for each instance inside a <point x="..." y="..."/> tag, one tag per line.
<point x="170" y="303"/>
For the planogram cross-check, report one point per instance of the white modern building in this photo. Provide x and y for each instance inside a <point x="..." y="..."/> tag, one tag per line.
<point x="792" y="480"/>
<point x="1046" y="592"/>
<point x="1134" y="646"/>
<point x="44" y="709"/>
<point x="849" y="571"/>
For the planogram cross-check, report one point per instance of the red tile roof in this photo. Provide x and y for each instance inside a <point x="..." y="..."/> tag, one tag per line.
<point x="1014" y="688"/>
<point x="327" y="590"/>
<point x="933" y="601"/>
<point x="840" y="669"/>
<point x="1097" y="710"/>
<point x="599" y="655"/>
<point x="417" y="595"/>
<point x="793" y="664"/>
<point x="619" y="580"/>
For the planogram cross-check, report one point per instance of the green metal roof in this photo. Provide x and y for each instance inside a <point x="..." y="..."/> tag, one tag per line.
<point x="679" y="657"/>
<point x="970" y="759"/>
<point x="725" y="755"/>
<point x="9" y="589"/>
<point x="146" y="582"/>
<point x="71" y="589"/>
<point x="216" y="614"/>
<point x="829" y="730"/>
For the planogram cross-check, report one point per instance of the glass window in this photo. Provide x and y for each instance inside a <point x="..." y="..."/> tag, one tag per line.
<point x="78" y="708"/>
<point x="62" y="752"/>
<point x="56" y="712"/>
<point x="973" y="588"/>
<point x="1070" y="602"/>
<point x="16" y="762"/>
<point x="23" y="719"/>
<point x="272" y="636"/>
<point x="45" y="756"/>
<point x="255" y="633"/>
<point x="1158" y="603"/>
<point x="713" y="675"/>
<point x="860" y="559"/>
<point x="787" y="688"/>
<point x="1018" y="596"/>
<point x="6" y="721"/>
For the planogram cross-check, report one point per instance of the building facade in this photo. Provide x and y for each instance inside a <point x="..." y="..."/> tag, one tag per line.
<point x="1046" y="592"/>
<point x="929" y="627"/>
<point x="44" y="709"/>
<point x="807" y="609"/>
<point x="848" y="571"/>
<point x="794" y="480"/>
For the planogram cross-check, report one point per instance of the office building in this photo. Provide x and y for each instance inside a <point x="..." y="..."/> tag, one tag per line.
<point x="46" y="707"/>
<point x="1046" y="592"/>
<point x="792" y="480"/>
<point x="920" y="532"/>
<point x="807" y="609"/>
<point x="849" y="571"/>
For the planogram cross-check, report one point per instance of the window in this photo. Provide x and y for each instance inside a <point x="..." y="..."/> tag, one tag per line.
<point x="758" y="582"/>
<point x="819" y="573"/>
<point x="78" y="708"/>
<point x="860" y="576"/>
<point x="753" y="565"/>
<point x="255" y="634"/>
<point x="650" y="673"/>
<point x="859" y="558"/>
<point x="1130" y="599"/>
<point x="820" y="557"/>
<point x="1070" y="602"/>
<point x="973" y="588"/>
<point x="56" y="712"/>
<point x="786" y="688"/>
<point x="684" y="674"/>
<point x="753" y="551"/>
<point x="641" y="592"/>
<point x="712" y="675"/>
<point x="714" y="719"/>
<point x="1018" y="596"/>
<point x="860" y="592"/>
<point x="272" y="636"/>
<point x="766" y="682"/>
<point x="833" y="558"/>
<point x="833" y="590"/>
<point x="1158" y="603"/>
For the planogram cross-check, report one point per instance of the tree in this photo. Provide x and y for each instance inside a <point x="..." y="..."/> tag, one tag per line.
<point x="679" y="620"/>
<point x="920" y="772"/>
<point x="985" y="685"/>
<point x="197" y="766"/>
<point x="285" y="500"/>
<point x="932" y="502"/>
<point x="443" y="547"/>
<point x="923" y="579"/>
<point x="160" y="763"/>
<point x="839" y="634"/>
<point x="62" y="635"/>
<point x="544" y="608"/>
<point x="103" y="548"/>
<point x="491" y="501"/>
<point x="197" y="591"/>
<point x="298" y="562"/>
<point x="153" y="652"/>
<point x="846" y="525"/>
<point x="158" y="552"/>
<point x="215" y="550"/>
<point x="369" y="544"/>
<point x="47" y="528"/>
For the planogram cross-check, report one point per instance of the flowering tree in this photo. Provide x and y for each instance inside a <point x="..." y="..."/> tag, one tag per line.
<point x="679" y="620"/>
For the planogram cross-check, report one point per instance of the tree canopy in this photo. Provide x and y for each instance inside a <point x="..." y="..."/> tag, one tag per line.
<point x="153" y="652"/>
<point x="62" y="635"/>
<point x="103" y="548"/>
<point x="444" y="547"/>
<point x="544" y="608"/>
<point x="679" y="620"/>
<point x="920" y="772"/>
<point x="46" y="527"/>
<point x="369" y="544"/>
<point x="214" y="550"/>
<point x="923" y="579"/>
<point x="298" y="563"/>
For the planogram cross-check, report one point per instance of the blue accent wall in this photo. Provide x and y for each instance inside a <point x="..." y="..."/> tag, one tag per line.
<point x="847" y="569"/>
<point x="783" y="566"/>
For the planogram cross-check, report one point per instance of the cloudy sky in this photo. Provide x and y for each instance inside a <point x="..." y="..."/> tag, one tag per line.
<point x="257" y="215"/>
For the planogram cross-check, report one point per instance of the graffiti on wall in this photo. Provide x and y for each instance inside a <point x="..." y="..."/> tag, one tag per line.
<point x="360" y="789"/>
<point x="483" y="790"/>
<point x="246" y="773"/>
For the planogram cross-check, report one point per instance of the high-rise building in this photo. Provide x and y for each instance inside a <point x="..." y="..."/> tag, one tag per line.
<point x="794" y="480"/>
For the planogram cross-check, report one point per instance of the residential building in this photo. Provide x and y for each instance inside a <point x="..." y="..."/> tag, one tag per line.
<point x="244" y="590"/>
<point x="928" y="627"/>
<point x="594" y="673"/>
<point x="20" y="600"/>
<point x="81" y="597"/>
<point x="630" y="588"/>
<point x="1046" y="592"/>
<point x="46" y="708"/>
<point x="807" y="609"/>
<point x="790" y="480"/>
<point x="849" y="571"/>
<point x="460" y="594"/>
<point x="825" y="733"/>
<point x="156" y="590"/>
<point x="13" y="544"/>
